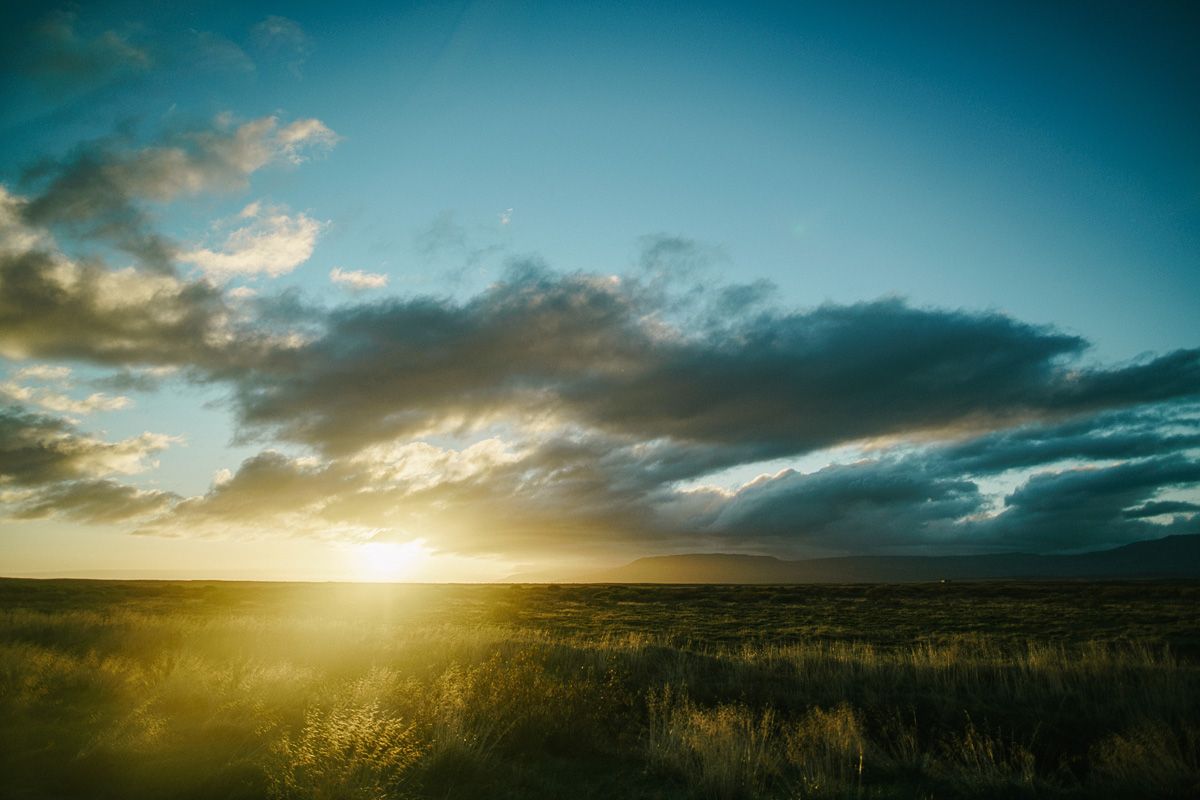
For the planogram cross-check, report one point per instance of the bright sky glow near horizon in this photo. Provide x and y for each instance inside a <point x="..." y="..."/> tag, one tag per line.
<point x="456" y="291"/>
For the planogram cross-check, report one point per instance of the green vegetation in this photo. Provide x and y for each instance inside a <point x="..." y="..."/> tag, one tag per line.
<point x="209" y="690"/>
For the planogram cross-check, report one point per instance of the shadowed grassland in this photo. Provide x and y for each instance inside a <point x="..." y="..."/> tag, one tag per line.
<point x="199" y="690"/>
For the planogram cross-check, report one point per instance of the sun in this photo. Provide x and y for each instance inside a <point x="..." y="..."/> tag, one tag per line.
<point x="389" y="561"/>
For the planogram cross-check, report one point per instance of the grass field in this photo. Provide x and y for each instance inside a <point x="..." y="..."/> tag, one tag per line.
<point x="211" y="690"/>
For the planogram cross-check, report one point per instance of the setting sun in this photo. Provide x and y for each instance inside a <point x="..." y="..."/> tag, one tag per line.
<point x="389" y="561"/>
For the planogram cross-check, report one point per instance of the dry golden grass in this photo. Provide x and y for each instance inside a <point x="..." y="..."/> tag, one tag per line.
<point x="448" y="693"/>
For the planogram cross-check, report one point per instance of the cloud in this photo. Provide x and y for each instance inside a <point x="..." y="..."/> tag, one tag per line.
<point x="1088" y="507"/>
<point x="269" y="242"/>
<point x="301" y="137"/>
<point x="56" y="401"/>
<point x="591" y="351"/>
<point x="581" y="412"/>
<point x="357" y="279"/>
<point x="44" y="372"/>
<point x="583" y="493"/>
<point x="673" y="257"/>
<point x="447" y="241"/>
<point x="48" y="467"/>
<point x="444" y="233"/>
<point x="99" y="191"/>
<point x="1160" y="508"/>
<point x="146" y="323"/>
<point x="266" y="486"/>
<point x="94" y="501"/>
<point x="933" y="497"/>
<point x="855" y="507"/>
<point x="52" y="307"/>
<point x="53" y="397"/>
<point x="1106" y="436"/>
<point x="484" y="498"/>
<point x="544" y="363"/>
<point x="58" y="55"/>
<point x="37" y="449"/>
<point x="283" y="39"/>
<point x="141" y="379"/>
<point x="440" y="364"/>
<point x="16" y="235"/>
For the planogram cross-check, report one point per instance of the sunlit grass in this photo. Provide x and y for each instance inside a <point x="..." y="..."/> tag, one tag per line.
<point x="453" y="692"/>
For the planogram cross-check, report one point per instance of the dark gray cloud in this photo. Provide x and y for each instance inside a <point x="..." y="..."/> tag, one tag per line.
<point x="94" y="501"/>
<point x="88" y="200"/>
<point x="38" y="449"/>
<point x="933" y="497"/>
<point x="48" y="467"/>
<point x="1161" y="508"/>
<point x="926" y="500"/>
<point x="1082" y="508"/>
<point x="266" y="488"/>
<point x="52" y="49"/>
<point x="53" y="308"/>
<point x="400" y="367"/>
<point x="143" y="322"/>
<point x="857" y="507"/>
<point x="812" y="379"/>
<point x="1104" y="436"/>
<point x="1168" y="377"/>
<point x="601" y="353"/>
<point x="32" y="448"/>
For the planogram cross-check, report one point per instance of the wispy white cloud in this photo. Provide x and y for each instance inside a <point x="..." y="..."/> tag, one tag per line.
<point x="219" y="158"/>
<point x="101" y="189"/>
<point x="357" y="279"/>
<point x="64" y="404"/>
<point x="270" y="242"/>
<point x="52" y="394"/>
<point x="297" y="139"/>
<point x="44" y="372"/>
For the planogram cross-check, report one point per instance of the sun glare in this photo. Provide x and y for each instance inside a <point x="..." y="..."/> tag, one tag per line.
<point x="390" y="561"/>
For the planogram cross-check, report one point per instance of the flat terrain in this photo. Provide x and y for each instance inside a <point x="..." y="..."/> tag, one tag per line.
<point x="198" y="690"/>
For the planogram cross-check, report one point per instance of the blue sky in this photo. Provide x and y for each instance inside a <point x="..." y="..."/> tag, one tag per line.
<point x="1010" y="159"/>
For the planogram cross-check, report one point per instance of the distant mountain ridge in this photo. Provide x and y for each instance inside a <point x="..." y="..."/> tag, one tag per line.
<point x="1170" y="557"/>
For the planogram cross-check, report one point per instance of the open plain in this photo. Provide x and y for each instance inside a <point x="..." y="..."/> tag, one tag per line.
<point x="219" y="690"/>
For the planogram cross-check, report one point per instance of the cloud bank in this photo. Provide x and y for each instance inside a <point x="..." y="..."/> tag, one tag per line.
<point x="550" y="412"/>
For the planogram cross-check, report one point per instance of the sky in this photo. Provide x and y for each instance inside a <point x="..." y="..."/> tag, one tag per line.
<point x="461" y="291"/>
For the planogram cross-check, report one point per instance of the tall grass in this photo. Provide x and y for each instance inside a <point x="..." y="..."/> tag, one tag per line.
<point x="362" y="700"/>
<point x="349" y="752"/>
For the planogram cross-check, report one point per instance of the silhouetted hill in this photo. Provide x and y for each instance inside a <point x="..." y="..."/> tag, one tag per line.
<point x="1170" y="557"/>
